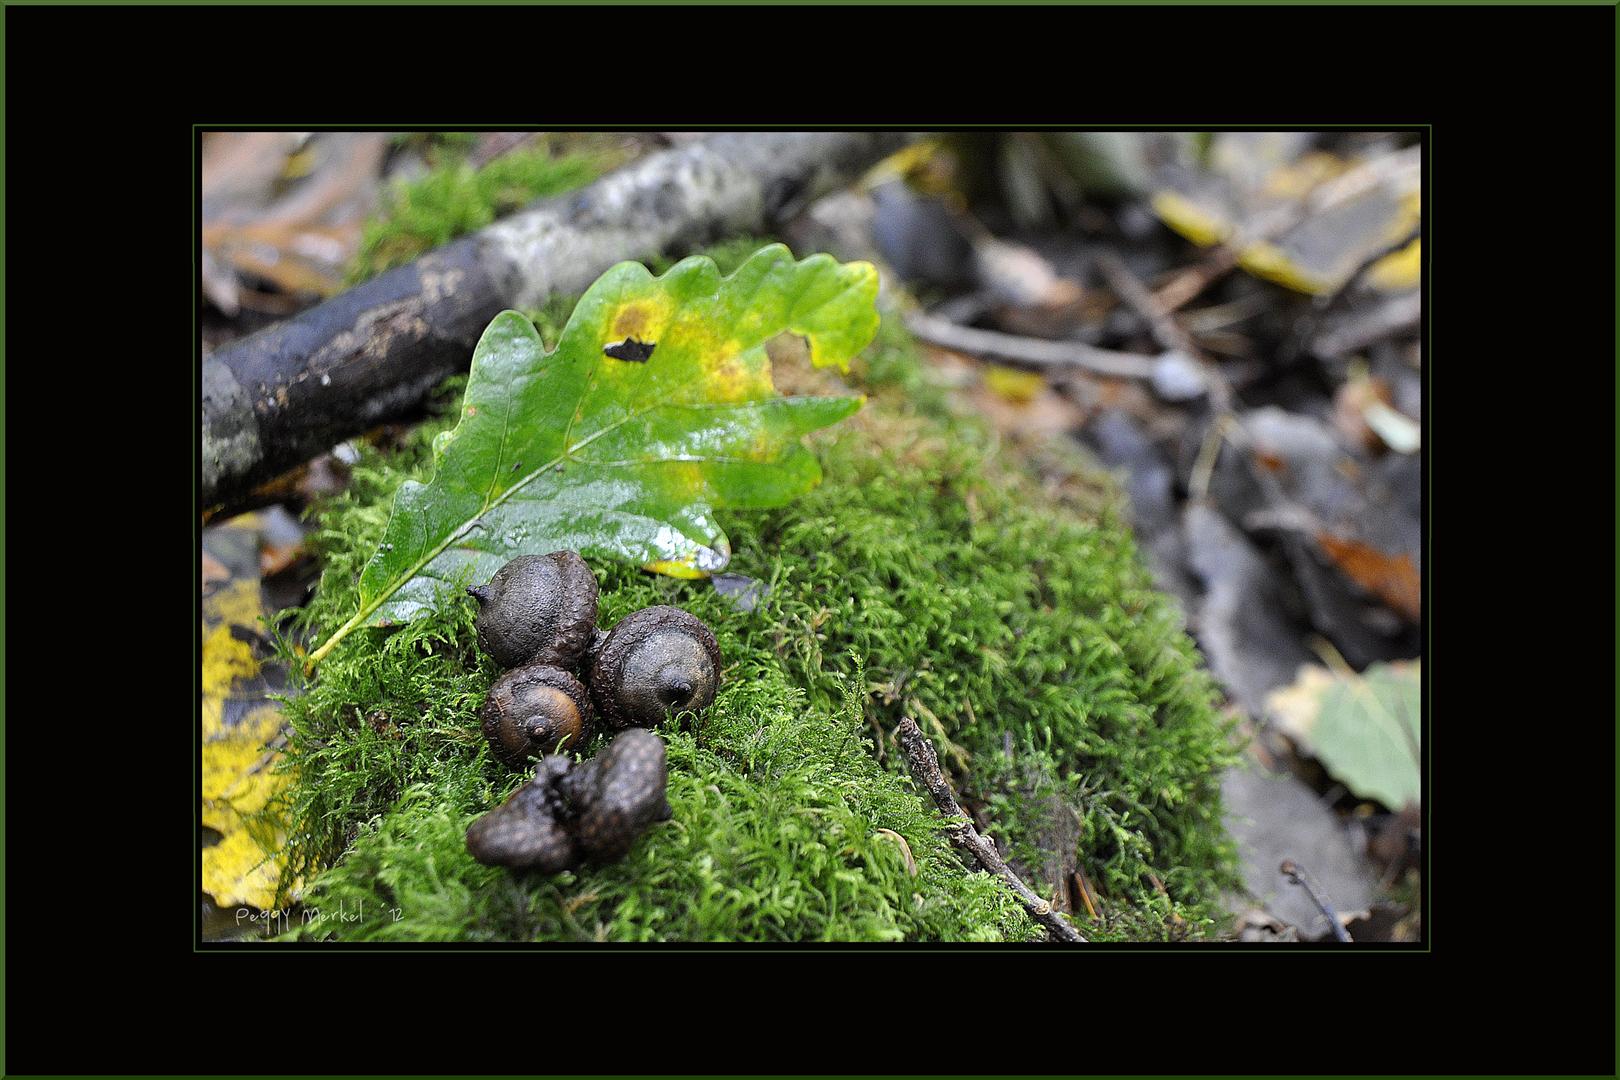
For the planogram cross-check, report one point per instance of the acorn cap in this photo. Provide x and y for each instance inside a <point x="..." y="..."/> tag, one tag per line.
<point x="538" y="609"/>
<point x="534" y="709"/>
<point x="656" y="661"/>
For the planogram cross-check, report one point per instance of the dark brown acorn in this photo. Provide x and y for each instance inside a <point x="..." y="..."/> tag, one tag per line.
<point x="656" y="661"/>
<point x="617" y="794"/>
<point x="538" y="609"/>
<point x="572" y="812"/>
<point x="529" y="829"/>
<point x="534" y="709"/>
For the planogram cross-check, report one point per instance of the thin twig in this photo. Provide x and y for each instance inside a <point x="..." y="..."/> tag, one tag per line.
<point x="1188" y="284"/>
<point x="1140" y="299"/>
<point x="1208" y="453"/>
<point x="1129" y="288"/>
<point x="925" y="767"/>
<point x="1298" y="876"/>
<point x="1027" y="351"/>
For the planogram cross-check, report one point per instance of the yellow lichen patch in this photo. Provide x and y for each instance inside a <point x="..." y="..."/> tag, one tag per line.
<point x="238" y="779"/>
<point x="1189" y="219"/>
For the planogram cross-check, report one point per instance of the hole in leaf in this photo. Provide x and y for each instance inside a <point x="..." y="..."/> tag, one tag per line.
<point x="630" y="349"/>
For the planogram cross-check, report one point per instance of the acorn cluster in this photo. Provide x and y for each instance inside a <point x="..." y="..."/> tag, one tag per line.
<point x="537" y="618"/>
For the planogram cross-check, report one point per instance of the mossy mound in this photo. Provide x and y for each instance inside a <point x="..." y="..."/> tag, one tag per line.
<point x="1008" y="613"/>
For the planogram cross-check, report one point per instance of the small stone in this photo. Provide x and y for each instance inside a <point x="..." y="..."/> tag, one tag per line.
<point x="1178" y="378"/>
<point x="739" y="590"/>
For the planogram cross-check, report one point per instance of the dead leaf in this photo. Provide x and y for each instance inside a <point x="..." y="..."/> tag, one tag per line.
<point x="287" y="210"/>
<point x="1307" y="221"/>
<point x="239" y="729"/>
<point x="1394" y="579"/>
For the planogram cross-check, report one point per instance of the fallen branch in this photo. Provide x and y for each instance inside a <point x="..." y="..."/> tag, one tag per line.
<point x="1029" y="352"/>
<point x="925" y="767"/>
<point x="292" y="390"/>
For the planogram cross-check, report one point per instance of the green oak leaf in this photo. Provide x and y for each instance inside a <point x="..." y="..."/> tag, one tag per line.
<point x="596" y="449"/>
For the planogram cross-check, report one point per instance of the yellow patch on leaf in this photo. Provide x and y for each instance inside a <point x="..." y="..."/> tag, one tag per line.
<point x="645" y="319"/>
<point x="1270" y="262"/>
<point x="1189" y="219"/>
<point x="1398" y="271"/>
<point x="675" y="569"/>
<point x="738" y="376"/>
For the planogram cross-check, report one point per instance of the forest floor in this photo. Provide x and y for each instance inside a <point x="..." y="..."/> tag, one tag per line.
<point x="1227" y="322"/>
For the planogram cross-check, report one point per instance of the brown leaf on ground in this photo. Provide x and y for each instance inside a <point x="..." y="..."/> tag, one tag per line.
<point x="285" y="210"/>
<point x="1394" y="579"/>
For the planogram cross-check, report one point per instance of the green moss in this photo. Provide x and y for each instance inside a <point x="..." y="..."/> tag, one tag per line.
<point x="1007" y="613"/>
<point x="453" y="199"/>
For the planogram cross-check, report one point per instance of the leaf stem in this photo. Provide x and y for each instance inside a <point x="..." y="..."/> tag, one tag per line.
<point x="342" y="632"/>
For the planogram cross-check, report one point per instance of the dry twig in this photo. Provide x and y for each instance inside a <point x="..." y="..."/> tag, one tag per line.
<point x="1298" y="876"/>
<point x="1166" y="331"/>
<point x="925" y="767"/>
<point x="1027" y="351"/>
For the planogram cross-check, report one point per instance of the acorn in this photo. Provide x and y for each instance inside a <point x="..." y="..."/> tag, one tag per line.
<point x="617" y="795"/>
<point x="533" y="710"/>
<point x="528" y="830"/>
<point x="655" y="661"/>
<point x="572" y="812"/>
<point x="538" y="609"/>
